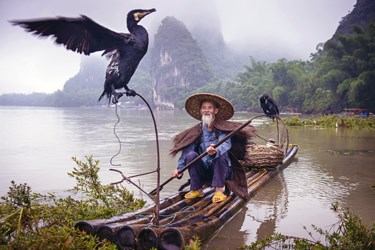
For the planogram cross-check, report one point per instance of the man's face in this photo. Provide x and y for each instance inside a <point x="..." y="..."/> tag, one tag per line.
<point x="208" y="108"/>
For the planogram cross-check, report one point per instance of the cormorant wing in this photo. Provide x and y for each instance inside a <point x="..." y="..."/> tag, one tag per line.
<point x="80" y="34"/>
<point x="273" y="106"/>
<point x="265" y="108"/>
<point x="276" y="109"/>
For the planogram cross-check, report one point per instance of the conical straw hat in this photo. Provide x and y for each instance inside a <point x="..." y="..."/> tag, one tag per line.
<point x="193" y="104"/>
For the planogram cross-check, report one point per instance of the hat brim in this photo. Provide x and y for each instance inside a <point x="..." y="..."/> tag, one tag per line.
<point x="193" y="105"/>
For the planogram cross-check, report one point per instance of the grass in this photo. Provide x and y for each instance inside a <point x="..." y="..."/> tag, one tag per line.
<point x="332" y="121"/>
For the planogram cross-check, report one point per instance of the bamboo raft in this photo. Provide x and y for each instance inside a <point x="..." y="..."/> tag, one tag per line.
<point x="181" y="220"/>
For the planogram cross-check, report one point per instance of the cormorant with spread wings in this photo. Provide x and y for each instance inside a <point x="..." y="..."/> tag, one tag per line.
<point x="83" y="35"/>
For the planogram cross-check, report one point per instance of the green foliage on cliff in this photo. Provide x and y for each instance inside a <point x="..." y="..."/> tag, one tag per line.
<point x="178" y="64"/>
<point x="340" y="74"/>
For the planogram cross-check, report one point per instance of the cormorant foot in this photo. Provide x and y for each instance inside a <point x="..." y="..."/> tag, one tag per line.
<point x="116" y="97"/>
<point x="130" y="92"/>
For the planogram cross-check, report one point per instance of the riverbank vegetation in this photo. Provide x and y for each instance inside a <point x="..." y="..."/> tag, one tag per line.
<point x="34" y="221"/>
<point x="332" y="121"/>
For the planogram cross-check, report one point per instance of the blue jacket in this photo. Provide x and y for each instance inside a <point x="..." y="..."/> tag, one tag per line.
<point x="205" y="140"/>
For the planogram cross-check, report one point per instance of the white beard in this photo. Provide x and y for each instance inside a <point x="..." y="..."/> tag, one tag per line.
<point x="208" y="120"/>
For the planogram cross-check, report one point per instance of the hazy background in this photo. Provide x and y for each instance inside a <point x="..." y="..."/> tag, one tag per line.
<point x="260" y="28"/>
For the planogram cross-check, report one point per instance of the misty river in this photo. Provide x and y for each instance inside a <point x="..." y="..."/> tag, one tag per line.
<point x="331" y="165"/>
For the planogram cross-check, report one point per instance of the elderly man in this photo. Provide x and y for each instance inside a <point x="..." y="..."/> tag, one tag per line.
<point x="216" y="167"/>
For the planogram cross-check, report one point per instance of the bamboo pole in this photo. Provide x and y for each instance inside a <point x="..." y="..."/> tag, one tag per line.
<point x="187" y="213"/>
<point x="177" y="237"/>
<point x="92" y="226"/>
<point x="109" y="232"/>
<point x="218" y="206"/>
<point x="148" y="238"/>
<point x="113" y="231"/>
<point x="257" y="178"/>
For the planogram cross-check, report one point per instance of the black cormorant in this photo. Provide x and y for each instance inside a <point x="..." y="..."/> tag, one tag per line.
<point x="83" y="35"/>
<point x="269" y="106"/>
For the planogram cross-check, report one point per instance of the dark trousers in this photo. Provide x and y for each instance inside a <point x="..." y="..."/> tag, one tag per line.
<point x="200" y="174"/>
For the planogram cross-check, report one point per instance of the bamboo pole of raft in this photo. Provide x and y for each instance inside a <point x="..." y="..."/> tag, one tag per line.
<point x="118" y="236"/>
<point x="112" y="224"/>
<point x="196" y="207"/>
<point x="200" y="214"/>
<point x="148" y="238"/>
<point x="250" y="173"/>
<point x="126" y="237"/>
<point x="218" y="206"/>
<point x="251" y="178"/>
<point x="196" y="217"/>
<point x="92" y="226"/>
<point x="109" y="231"/>
<point x="184" y="203"/>
<point x="112" y="231"/>
<point x="178" y="237"/>
<point x="258" y="177"/>
<point x="145" y="236"/>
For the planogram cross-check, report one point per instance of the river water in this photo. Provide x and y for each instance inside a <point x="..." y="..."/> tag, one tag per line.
<point x="332" y="165"/>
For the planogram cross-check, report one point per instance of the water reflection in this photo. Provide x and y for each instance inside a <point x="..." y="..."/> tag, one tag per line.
<point x="259" y="219"/>
<point x="277" y="209"/>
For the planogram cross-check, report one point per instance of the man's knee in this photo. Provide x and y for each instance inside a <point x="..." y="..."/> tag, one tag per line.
<point x="191" y="156"/>
<point x="223" y="160"/>
<point x="222" y="164"/>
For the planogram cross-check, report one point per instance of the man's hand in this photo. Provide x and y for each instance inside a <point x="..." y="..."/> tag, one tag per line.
<point x="175" y="174"/>
<point x="211" y="150"/>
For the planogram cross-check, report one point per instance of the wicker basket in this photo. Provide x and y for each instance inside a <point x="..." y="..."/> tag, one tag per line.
<point x="262" y="156"/>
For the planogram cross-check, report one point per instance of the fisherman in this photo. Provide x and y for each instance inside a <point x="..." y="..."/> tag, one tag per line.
<point x="220" y="166"/>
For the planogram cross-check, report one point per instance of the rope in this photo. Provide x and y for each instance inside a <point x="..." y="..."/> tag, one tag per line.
<point x="118" y="138"/>
<point x="156" y="200"/>
<point x="188" y="209"/>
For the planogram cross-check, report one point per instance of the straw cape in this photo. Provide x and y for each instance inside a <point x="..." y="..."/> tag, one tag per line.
<point x="193" y="104"/>
<point x="239" y="141"/>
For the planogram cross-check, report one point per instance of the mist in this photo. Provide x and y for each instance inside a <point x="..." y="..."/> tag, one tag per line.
<point x="264" y="29"/>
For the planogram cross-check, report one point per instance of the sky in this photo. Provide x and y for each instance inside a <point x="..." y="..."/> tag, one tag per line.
<point x="284" y="28"/>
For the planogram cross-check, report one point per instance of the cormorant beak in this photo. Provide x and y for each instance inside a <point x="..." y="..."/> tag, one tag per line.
<point x="139" y="15"/>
